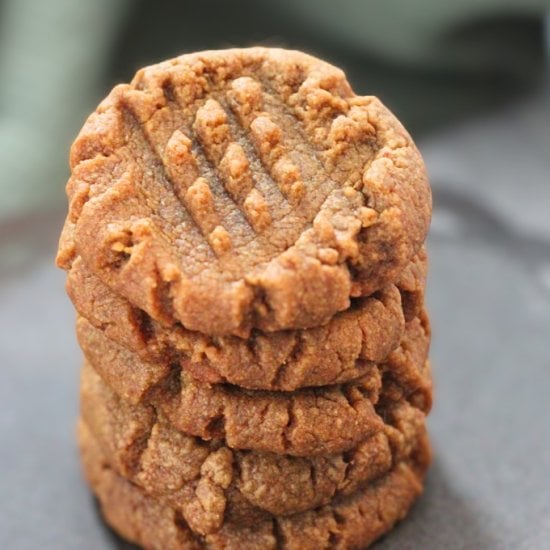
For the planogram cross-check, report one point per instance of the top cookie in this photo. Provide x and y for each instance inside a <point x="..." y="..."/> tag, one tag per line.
<point x="244" y="188"/>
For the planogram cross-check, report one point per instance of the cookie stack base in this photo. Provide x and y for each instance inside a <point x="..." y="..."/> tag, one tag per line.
<point x="351" y="522"/>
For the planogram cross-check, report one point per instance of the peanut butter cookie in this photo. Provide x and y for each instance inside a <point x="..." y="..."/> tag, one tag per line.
<point x="301" y="423"/>
<point x="282" y="360"/>
<point x="245" y="188"/>
<point x="353" y="521"/>
<point x="211" y="484"/>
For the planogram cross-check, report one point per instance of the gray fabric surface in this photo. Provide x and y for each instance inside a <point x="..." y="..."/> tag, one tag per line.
<point x="489" y="296"/>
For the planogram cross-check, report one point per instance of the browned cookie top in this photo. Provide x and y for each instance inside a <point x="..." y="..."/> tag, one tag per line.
<point x="244" y="188"/>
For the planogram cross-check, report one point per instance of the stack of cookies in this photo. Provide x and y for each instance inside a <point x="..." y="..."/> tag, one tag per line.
<point x="245" y="251"/>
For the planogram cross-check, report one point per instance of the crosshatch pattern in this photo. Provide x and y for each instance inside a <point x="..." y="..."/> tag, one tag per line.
<point x="254" y="185"/>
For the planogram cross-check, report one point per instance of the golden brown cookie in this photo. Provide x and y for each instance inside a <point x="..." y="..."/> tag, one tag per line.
<point x="310" y="421"/>
<point x="210" y="483"/>
<point x="352" y="521"/>
<point x="244" y="188"/>
<point x="282" y="360"/>
<point x="324" y="420"/>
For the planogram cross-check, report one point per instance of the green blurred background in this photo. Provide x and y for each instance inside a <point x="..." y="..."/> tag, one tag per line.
<point x="431" y="61"/>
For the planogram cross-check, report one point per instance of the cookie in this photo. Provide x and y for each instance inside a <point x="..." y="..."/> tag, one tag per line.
<point x="211" y="483"/>
<point x="245" y="188"/>
<point x="302" y="423"/>
<point x="349" y="522"/>
<point x="283" y="360"/>
<point x="305" y="422"/>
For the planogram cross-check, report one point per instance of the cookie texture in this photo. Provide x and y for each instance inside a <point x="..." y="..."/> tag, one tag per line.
<point x="245" y="188"/>
<point x="245" y="250"/>
<point x="210" y="484"/>
<point x="311" y="421"/>
<point x="284" y="360"/>
<point x="352" y="521"/>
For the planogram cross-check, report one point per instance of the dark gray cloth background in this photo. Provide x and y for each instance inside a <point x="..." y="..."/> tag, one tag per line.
<point x="486" y="140"/>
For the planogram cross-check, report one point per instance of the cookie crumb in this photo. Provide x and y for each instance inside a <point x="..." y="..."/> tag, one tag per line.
<point x="200" y="202"/>
<point x="220" y="240"/>
<point x="257" y="211"/>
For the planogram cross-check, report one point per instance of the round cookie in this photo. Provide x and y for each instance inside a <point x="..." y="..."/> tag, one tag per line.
<point x="246" y="188"/>
<point x="310" y="421"/>
<point x="283" y="360"/>
<point x="303" y="423"/>
<point x="210" y="483"/>
<point x="354" y="521"/>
